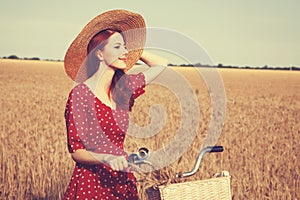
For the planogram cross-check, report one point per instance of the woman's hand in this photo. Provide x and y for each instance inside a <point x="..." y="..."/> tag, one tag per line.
<point x="117" y="163"/>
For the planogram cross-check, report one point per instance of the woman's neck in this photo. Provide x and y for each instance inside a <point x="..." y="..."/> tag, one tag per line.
<point x="101" y="81"/>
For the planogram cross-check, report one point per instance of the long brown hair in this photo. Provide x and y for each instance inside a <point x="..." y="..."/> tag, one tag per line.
<point x="121" y="94"/>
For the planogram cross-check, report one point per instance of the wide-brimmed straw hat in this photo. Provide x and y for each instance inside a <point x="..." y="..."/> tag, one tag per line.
<point x="132" y="27"/>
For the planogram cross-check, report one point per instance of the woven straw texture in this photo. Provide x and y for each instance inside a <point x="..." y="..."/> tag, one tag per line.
<point x="209" y="189"/>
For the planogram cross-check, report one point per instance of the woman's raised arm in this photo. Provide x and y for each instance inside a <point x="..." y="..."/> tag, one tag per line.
<point x="156" y="63"/>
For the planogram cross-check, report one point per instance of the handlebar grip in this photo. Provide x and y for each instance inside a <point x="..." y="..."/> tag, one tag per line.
<point x="215" y="149"/>
<point x="140" y="157"/>
<point x="132" y="158"/>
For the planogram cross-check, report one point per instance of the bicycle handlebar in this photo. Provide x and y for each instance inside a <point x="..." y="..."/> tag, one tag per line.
<point x="216" y="149"/>
<point x="208" y="149"/>
<point x="143" y="153"/>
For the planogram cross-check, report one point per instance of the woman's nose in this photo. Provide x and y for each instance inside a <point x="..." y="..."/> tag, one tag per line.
<point x="125" y="51"/>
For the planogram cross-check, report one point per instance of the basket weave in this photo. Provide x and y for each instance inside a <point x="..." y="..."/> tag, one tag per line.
<point x="212" y="189"/>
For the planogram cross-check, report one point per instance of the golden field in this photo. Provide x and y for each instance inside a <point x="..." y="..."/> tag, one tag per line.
<point x="260" y="133"/>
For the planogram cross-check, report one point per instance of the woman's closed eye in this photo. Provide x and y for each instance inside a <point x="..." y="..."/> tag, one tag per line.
<point x="118" y="46"/>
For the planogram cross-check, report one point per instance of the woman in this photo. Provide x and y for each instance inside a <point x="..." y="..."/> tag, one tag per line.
<point x="98" y="106"/>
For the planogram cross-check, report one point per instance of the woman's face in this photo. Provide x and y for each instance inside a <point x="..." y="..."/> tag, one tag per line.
<point x="114" y="52"/>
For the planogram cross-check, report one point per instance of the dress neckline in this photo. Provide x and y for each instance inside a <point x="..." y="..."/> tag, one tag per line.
<point x="95" y="96"/>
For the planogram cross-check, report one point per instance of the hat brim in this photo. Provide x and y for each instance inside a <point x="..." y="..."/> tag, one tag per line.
<point x="131" y="25"/>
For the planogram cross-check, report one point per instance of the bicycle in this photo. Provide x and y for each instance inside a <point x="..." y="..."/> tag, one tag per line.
<point x="217" y="187"/>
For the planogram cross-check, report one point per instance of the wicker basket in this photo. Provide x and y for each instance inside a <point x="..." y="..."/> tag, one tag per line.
<point x="213" y="188"/>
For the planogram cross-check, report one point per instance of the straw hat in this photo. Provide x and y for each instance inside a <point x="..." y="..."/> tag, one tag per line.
<point x="131" y="25"/>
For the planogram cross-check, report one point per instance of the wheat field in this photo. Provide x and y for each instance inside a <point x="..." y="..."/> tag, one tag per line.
<point x="260" y="134"/>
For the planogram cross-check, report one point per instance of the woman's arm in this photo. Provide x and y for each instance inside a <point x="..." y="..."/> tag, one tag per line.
<point x="156" y="63"/>
<point x="87" y="157"/>
<point x="153" y="60"/>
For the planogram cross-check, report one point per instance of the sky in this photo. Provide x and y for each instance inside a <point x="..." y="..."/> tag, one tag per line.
<point x="232" y="32"/>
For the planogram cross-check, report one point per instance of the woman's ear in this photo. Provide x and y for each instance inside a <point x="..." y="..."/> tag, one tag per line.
<point x="99" y="55"/>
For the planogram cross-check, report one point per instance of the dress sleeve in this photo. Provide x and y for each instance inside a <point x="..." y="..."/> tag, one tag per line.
<point x="137" y="84"/>
<point x="75" y="116"/>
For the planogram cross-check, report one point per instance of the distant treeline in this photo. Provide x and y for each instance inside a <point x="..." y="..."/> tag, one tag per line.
<point x="33" y="58"/>
<point x="184" y="65"/>
<point x="237" y="67"/>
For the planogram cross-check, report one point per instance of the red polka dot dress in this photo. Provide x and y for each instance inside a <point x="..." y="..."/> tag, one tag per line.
<point x="94" y="126"/>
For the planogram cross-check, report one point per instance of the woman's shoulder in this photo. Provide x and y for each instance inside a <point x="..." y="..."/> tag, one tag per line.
<point x="80" y="97"/>
<point x="80" y="87"/>
<point x="139" y="75"/>
<point x="136" y="80"/>
<point x="79" y="90"/>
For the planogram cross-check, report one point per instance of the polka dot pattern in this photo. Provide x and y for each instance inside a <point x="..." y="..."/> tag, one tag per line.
<point x="94" y="126"/>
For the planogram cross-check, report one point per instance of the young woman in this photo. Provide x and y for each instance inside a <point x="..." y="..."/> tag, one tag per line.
<point x="97" y="110"/>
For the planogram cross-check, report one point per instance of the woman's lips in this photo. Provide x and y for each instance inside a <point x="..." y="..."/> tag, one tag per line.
<point x="123" y="59"/>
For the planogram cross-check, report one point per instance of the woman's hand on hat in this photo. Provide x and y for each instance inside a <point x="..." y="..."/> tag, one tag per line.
<point x="117" y="163"/>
